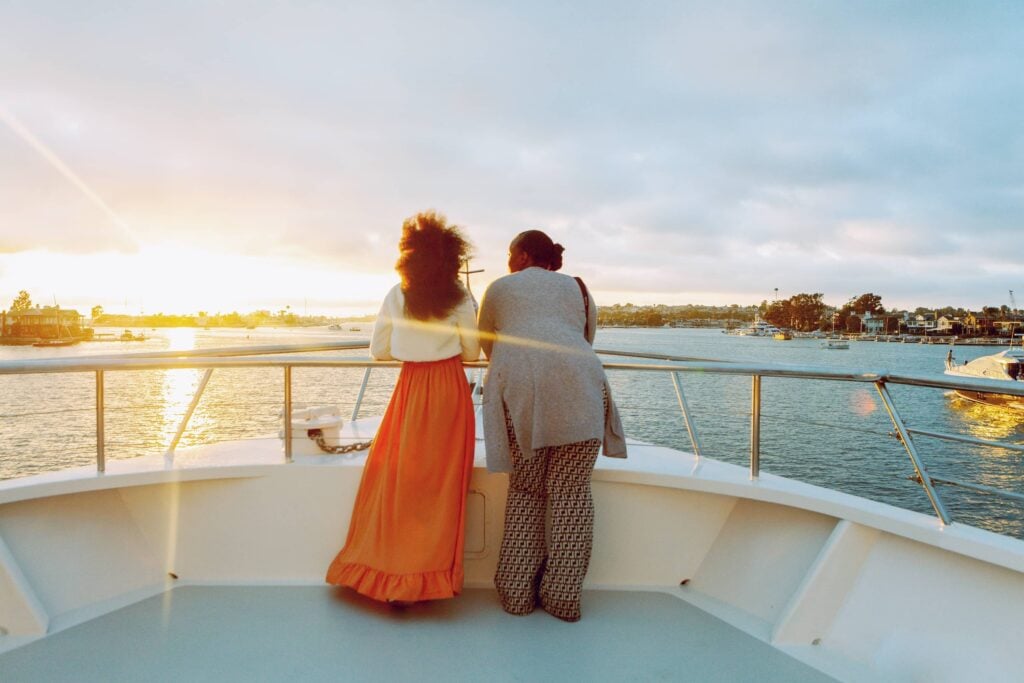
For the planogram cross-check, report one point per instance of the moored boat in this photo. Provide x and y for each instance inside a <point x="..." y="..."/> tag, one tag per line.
<point x="1005" y="366"/>
<point x="57" y="342"/>
<point x="758" y="328"/>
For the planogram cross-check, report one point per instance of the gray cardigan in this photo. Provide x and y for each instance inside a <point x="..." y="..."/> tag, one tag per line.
<point x="543" y="368"/>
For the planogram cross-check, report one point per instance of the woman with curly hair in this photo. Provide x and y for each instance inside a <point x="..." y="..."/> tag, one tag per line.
<point x="405" y="537"/>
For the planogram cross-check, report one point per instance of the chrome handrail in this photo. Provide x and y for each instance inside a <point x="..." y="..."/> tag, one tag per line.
<point x="755" y="427"/>
<point x="362" y="392"/>
<point x="243" y="360"/>
<point x="684" y="406"/>
<point x="101" y="454"/>
<point x="288" y="413"/>
<point x="253" y="357"/>
<point x="922" y="474"/>
<point x="229" y="351"/>
<point x="188" y="413"/>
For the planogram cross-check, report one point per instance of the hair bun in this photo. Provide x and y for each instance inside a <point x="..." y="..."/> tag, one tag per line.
<point x="555" y="257"/>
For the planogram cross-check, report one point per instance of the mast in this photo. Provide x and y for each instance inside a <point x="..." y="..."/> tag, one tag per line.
<point x="467" y="272"/>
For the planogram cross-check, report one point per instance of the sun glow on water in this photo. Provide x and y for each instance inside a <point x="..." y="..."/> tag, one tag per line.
<point x="180" y="338"/>
<point x="179" y="387"/>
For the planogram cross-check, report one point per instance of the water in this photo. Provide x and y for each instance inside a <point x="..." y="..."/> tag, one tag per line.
<point x="828" y="433"/>
<point x="47" y="422"/>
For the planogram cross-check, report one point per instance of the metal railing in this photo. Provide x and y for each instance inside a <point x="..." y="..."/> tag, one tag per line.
<point x="259" y="357"/>
<point x="880" y="380"/>
<point x="166" y="360"/>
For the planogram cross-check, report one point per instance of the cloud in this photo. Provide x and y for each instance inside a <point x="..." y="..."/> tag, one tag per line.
<point x="673" y="147"/>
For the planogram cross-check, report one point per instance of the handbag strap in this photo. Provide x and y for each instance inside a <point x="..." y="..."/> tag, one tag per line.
<point x="586" y="305"/>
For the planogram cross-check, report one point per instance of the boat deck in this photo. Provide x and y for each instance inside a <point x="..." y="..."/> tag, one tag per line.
<point x="319" y="633"/>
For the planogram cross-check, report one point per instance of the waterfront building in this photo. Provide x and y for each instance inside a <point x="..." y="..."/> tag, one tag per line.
<point x="921" y="324"/>
<point x="41" y="322"/>
<point x="948" y="324"/>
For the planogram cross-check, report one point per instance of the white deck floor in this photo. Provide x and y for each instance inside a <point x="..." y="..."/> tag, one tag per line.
<point x="313" y="633"/>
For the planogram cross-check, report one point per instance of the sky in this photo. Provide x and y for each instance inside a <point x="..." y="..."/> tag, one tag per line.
<point x="224" y="155"/>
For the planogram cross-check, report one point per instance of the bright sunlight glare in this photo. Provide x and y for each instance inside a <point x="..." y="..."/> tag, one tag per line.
<point x="181" y="280"/>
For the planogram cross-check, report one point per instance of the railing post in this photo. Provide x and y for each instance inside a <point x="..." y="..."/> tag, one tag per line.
<point x="919" y="469"/>
<point x="478" y="390"/>
<point x="101" y="451"/>
<point x="755" y="428"/>
<point x="685" y="408"/>
<point x="188" y="413"/>
<point x="359" y="397"/>
<point x="287" y="413"/>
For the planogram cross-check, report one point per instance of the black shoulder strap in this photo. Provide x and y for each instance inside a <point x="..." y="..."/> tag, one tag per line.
<point x="586" y="305"/>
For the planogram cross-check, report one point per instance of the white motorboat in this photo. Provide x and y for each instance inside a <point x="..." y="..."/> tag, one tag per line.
<point x="834" y="342"/>
<point x="1005" y="366"/>
<point x="758" y="328"/>
<point x="207" y="564"/>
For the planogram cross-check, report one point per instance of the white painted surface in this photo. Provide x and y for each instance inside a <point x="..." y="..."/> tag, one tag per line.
<point x="924" y="614"/>
<point x="888" y="592"/>
<point x="760" y="556"/>
<point x="814" y="605"/>
<point x="21" y="613"/>
<point x="78" y="550"/>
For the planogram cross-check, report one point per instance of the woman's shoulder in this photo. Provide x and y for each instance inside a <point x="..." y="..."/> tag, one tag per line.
<point x="532" y="283"/>
<point x="551" y="283"/>
<point x="531" y="277"/>
<point x="502" y="283"/>
<point x="394" y="298"/>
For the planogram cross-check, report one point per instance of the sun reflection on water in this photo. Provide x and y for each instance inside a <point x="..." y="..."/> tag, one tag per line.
<point x="987" y="422"/>
<point x="179" y="387"/>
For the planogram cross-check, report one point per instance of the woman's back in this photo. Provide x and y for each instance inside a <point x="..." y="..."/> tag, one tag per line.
<point x="542" y="366"/>
<point x="539" y="306"/>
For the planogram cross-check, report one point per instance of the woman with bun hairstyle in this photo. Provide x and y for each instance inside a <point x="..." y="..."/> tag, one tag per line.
<point x="547" y="408"/>
<point x="405" y="537"/>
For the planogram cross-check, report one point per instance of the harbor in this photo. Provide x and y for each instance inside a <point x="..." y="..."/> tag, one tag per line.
<point x="146" y="407"/>
<point x="919" y="339"/>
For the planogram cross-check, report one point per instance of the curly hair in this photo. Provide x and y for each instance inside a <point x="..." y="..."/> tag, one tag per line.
<point x="431" y="253"/>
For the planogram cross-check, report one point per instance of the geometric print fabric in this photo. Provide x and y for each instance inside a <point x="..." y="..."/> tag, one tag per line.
<point x="531" y="568"/>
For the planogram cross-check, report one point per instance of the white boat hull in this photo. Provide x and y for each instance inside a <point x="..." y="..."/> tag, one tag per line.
<point x="998" y="400"/>
<point x="1002" y="367"/>
<point x="856" y="589"/>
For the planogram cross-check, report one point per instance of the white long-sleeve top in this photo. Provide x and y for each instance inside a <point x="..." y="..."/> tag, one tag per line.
<point x="397" y="336"/>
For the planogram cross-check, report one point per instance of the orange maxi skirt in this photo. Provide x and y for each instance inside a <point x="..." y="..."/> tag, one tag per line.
<point x="405" y="539"/>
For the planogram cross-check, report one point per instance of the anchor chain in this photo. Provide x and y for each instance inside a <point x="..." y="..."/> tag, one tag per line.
<point x="318" y="436"/>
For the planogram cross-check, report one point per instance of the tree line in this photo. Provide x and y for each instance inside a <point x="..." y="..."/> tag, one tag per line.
<point x="284" y="316"/>
<point x="804" y="312"/>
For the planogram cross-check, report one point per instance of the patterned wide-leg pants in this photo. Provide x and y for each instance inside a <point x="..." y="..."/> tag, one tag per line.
<point x="529" y="567"/>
